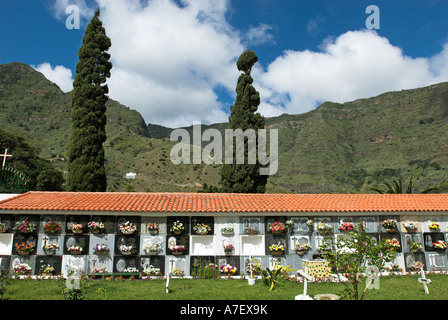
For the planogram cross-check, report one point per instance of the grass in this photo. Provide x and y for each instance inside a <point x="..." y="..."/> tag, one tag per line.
<point x="391" y="288"/>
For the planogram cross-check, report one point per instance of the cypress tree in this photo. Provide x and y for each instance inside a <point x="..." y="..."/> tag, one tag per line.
<point x="244" y="178"/>
<point x="86" y="171"/>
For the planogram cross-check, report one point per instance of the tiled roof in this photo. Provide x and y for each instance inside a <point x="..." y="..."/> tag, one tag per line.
<point x="223" y="202"/>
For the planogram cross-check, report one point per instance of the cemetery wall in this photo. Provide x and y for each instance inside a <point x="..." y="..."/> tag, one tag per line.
<point x="202" y="248"/>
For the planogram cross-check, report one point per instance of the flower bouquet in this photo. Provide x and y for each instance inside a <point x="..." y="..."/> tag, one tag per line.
<point x="228" y="269"/>
<point x="76" y="228"/>
<point x="99" y="270"/>
<point x="392" y="244"/>
<point x="346" y="227"/>
<point x="52" y="227"/>
<point x="77" y="249"/>
<point x="128" y="228"/>
<point x="394" y="268"/>
<point x="439" y="245"/>
<point x="96" y="227"/>
<point x="177" y="227"/>
<point x="153" y="228"/>
<point x="277" y="249"/>
<point x="228" y="248"/>
<point x="415" y="246"/>
<point x="276" y="227"/>
<point x="202" y="228"/>
<point x="177" y="250"/>
<point x="21" y="269"/>
<point x="416" y="266"/>
<point x="50" y="249"/>
<point x="227" y="231"/>
<point x="410" y="226"/>
<point x="151" y="271"/>
<point x="46" y="270"/>
<point x="24" y="227"/>
<point x="127" y="250"/>
<point x="177" y="273"/>
<point x="389" y="224"/>
<point x="433" y="226"/>
<point x="24" y="248"/>
<point x="101" y="249"/>
<point x="3" y="228"/>
<point x="324" y="228"/>
<point x="153" y="248"/>
<point x="301" y="249"/>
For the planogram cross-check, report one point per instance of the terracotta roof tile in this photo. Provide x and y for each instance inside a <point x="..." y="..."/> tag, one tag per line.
<point x="216" y="202"/>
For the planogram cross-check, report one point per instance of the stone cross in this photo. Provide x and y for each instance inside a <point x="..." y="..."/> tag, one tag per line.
<point x="424" y="281"/>
<point x="306" y="278"/>
<point x="4" y="157"/>
<point x="45" y="238"/>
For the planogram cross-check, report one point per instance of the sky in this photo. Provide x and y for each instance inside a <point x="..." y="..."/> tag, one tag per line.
<point x="174" y="61"/>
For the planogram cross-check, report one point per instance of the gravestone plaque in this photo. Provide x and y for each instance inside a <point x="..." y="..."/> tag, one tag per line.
<point x="393" y="236"/>
<point x="45" y="239"/>
<point x="148" y="242"/>
<point x="275" y="240"/>
<point x="300" y="225"/>
<point x="29" y="239"/>
<point x="252" y="245"/>
<point x="371" y="223"/>
<point x="161" y="221"/>
<point x="127" y="240"/>
<point x="412" y="261"/>
<point x="71" y="240"/>
<point x="202" y="220"/>
<point x="430" y="237"/>
<point x="5" y="262"/>
<point x="108" y="221"/>
<point x="77" y="219"/>
<point x="408" y="238"/>
<point x="180" y="263"/>
<point x="184" y="220"/>
<point x="270" y="220"/>
<point x="436" y="261"/>
<point x="249" y="224"/>
<point x="100" y="262"/>
<point x="397" y="218"/>
<point x="71" y="263"/>
<point x="198" y="265"/>
<point x="296" y="239"/>
<point x="27" y="260"/>
<point x="247" y="261"/>
<point x="54" y="262"/>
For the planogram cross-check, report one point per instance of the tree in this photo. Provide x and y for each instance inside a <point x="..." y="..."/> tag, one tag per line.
<point x="352" y="254"/>
<point x="244" y="178"/>
<point x="86" y="171"/>
<point x="396" y="187"/>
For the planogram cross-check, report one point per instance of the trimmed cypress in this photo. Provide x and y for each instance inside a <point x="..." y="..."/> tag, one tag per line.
<point x="244" y="178"/>
<point x="86" y="169"/>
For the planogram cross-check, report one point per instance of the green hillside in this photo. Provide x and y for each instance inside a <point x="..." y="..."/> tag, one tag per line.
<point x="337" y="148"/>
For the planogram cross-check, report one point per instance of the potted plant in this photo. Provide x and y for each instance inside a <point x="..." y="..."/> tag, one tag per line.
<point x="96" y="227"/>
<point x="177" y="227"/>
<point x="76" y="249"/>
<point x="390" y="225"/>
<point x="227" y="231"/>
<point x="24" y="248"/>
<point x="251" y="230"/>
<point x="177" y="249"/>
<point x="52" y="227"/>
<point x="153" y="228"/>
<point x="324" y="228"/>
<point x="3" y="228"/>
<point x="153" y="248"/>
<point x="415" y="246"/>
<point x="50" y="249"/>
<point x="301" y="249"/>
<point x="127" y="250"/>
<point x="76" y="228"/>
<point x="276" y="227"/>
<point x="277" y="249"/>
<point x="101" y="248"/>
<point x="202" y="228"/>
<point x="392" y="244"/>
<point x="21" y="269"/>
<point x="228" y="270"/>
<point x="433" y="226"/>
<point x="24" y="227"/>
<point x="128" y="228"/>
<point x="346" y="227"/>
<point x="228" y="248"/>
<point x="439" y="245"/>
<point x="410" y="226"/>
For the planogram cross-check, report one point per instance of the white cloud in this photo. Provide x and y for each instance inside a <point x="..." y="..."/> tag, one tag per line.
<point x="60" y="75"/>
<point x="169" y="59"/>
<point x="357" y="64"/>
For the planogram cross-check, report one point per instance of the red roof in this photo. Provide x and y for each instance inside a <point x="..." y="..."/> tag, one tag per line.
<point x="223" y="202"/>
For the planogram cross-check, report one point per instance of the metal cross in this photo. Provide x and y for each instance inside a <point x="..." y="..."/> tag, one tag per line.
<point x="4" y="157"/>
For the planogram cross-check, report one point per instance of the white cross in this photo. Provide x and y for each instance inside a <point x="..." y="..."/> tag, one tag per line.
<point x="4" y="156"/>
<point x="424" y="281"/>
<point x="168" y="275"/>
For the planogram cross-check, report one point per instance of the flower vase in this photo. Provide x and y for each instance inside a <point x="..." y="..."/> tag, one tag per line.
<point x="276" y="231"/>
<point x="23" y="253"/>
<point x="75" y="252"/>
<point x="77" y="231"/>
<point x="153" y="232"/>
<point x="277" y="252"/>
<point x="177" y="253"/>
<point x="300" y="253"/>
<point x="177" y="232"/>
<point x="96" y="231"/>
<point x="390" y="230"/>
<point x="49" y="252"/>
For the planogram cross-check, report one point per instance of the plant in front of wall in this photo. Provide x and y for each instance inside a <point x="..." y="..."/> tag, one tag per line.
<point x="52" y="227"/>
<point x="96" y="227"/>
<point x="433" y="226"/>
<point x="24" y="226"/>
<point x="202" y="228"/>
<point x="439" y="245"/>
<point x="128" y="227"/>
<point x="76" y="249"/>
<point x="24" y="248"/>
<point x="271" y="276"/>
<point x="415" y="246"/>
<point x="177" y="227"/>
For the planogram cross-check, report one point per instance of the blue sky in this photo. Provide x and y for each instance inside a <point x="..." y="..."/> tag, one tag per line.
<point x="174" y="61"/>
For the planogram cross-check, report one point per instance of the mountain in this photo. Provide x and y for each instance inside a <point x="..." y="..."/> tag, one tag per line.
<point x="336" y="148"/>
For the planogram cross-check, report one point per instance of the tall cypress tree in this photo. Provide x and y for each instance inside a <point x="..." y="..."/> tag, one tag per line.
<point x="244" y="178"/>
<point x="86" y="171"/>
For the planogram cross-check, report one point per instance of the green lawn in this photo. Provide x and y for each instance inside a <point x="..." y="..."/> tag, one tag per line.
<point x="391" y="288"/>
